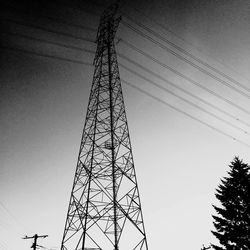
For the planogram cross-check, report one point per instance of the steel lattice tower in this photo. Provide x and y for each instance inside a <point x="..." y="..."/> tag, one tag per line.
<point x="105" y="209"/>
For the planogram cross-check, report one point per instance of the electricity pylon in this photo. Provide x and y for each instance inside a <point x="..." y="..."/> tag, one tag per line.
<point x="104" y="212"/>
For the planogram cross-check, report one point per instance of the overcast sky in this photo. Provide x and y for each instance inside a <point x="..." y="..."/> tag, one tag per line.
<point x="182" y="145"/>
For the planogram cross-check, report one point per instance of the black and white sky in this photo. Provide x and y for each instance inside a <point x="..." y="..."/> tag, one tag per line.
<point x="185" y="75"/>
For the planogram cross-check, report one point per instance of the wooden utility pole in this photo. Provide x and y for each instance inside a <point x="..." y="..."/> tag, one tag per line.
<point x="35" y="237"/>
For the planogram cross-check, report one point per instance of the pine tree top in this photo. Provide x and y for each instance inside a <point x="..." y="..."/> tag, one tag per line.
<point x="232" y="222"/>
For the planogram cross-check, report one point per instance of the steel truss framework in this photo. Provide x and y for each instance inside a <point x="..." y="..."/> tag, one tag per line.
<point x="105" y="209"/>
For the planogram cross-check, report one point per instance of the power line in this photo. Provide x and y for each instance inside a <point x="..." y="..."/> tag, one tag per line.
<point x="175" y="46"/>
<point x="136" y="73"/>
<point x="184" y="99"/>
<point x="19" y="50"/>
<point x="48" y="30"/>
<point x="74" y="47"/>
<point x="188" y="53"/>
<point x="61" y="33"/>
<point x="130" y="45"/>
<point x="53" y="19"/>
<point x="163" y="27"/>
<point x="183" y="51"/>
<point x="184" y="113"/>
<point x="177" y="73"/>
<point x="188" y="93"/>
<point x="79" y="8"/>
<point x="9" y="213"/>
<point x="185" y="59"/>
<point x="49" y="42"/>
<point x="4" y="244"/>
<point x="13" y="218"/>
<point x="146" y="93"/>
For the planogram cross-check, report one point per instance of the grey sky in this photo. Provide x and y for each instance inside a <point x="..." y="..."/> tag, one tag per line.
<point x="178" y="160"/>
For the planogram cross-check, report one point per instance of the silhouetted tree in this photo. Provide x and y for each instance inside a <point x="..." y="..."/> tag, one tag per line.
<point x="232" y="222"/>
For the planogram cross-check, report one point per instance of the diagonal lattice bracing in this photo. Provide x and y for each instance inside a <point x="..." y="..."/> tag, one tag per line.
<point x="104" y="212"/>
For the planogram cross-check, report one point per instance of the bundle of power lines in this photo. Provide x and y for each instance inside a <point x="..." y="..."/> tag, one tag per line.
<point x="157" y="40"/>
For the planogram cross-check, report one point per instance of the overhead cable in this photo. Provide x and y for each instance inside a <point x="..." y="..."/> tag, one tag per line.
<point x="79" y="8"/>
<point x="49" y="42"/>
<point x="179" y="74"/>
<point x="20" y="50"/>
<point x="185" y="113"/>
<point x="185" y="51"/>
<point x="48" y="30"/>
<point x="185" y="100"/>
<point x="136" y="73"/>
<point x="53" y="19"/>
<point x="92" y="52"/>
<point x="159" y="44"/>
<point x="143" y="91"/>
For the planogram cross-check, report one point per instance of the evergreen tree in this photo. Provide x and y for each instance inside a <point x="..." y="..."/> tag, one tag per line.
<point x="232" y="222"/>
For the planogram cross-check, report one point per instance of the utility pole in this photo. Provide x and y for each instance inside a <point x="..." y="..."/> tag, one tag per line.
<point x="35" y="237"/>
<point x="104" y="211"/>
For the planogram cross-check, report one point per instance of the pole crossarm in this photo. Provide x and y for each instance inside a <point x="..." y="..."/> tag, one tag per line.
<point x="35" y="237"/>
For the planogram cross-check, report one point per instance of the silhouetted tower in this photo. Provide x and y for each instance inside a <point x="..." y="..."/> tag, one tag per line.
<point x="105" y="209"/>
